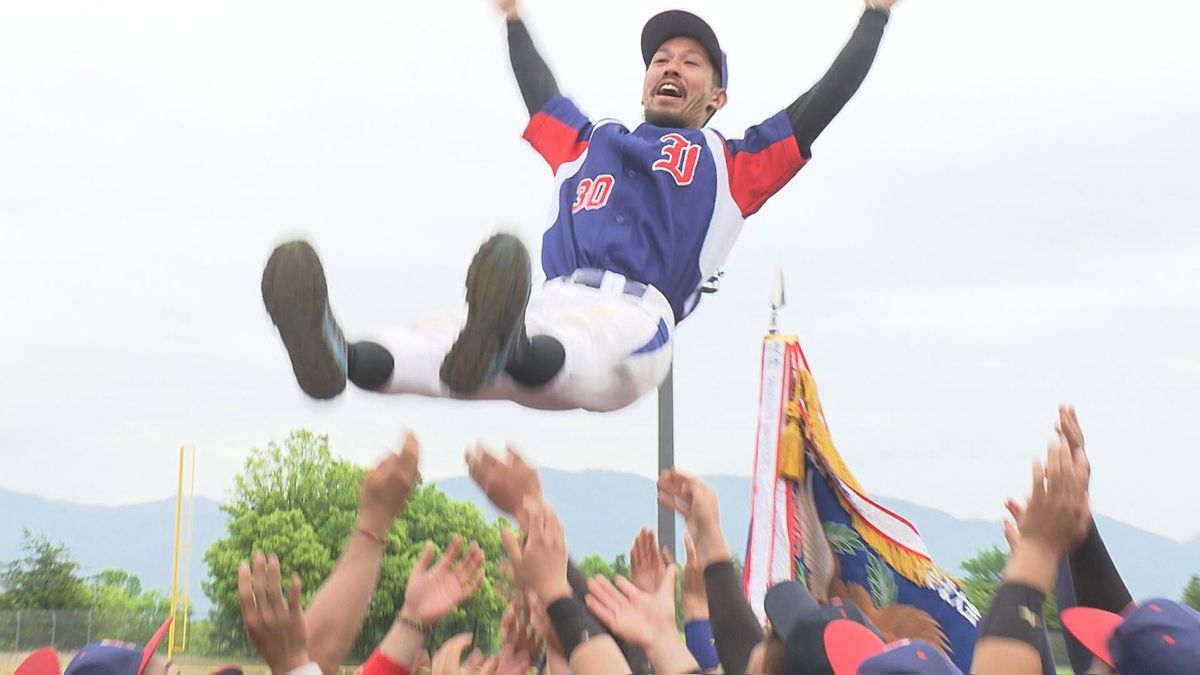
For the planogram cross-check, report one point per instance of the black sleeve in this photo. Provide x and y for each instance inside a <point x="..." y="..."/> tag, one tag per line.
<point x="639" y="664"/>
<point x="1064" y="594"/>
<point x="533" y="75"/>
<point x="1096" y="580"/>
<point x="734" y="626"/>
<point x="814" y="110"/>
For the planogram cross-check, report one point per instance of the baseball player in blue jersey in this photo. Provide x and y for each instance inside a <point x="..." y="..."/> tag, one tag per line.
<point x="643" y="217"/>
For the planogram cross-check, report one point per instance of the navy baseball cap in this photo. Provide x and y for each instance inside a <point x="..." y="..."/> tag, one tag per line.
<point x="1157" y="636"/>
<point x="801" y="623"/>
<point x="676" y="22"/>
<point x="112" y="657"/>
<point x="855" y="650"/>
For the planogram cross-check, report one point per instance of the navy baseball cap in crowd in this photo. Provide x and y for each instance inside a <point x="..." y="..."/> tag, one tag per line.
<point x="111" y="657"/>
<point x="676" y="23"/>
<point x="801" y="622"/>
<point x="1157" y="636"/>
<point x="855" y="650"/>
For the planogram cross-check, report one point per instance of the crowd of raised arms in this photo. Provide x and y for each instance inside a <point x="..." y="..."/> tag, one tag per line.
<point x="558" y="621"/>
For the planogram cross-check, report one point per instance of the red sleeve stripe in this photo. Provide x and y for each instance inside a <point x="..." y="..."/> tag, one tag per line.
<point x="755" y="176"/>
<point x="557" y="142"/>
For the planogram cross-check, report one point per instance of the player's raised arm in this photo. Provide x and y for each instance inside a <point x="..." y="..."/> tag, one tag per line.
<point x="533" y="75"/>
<point x="812" y="112"/>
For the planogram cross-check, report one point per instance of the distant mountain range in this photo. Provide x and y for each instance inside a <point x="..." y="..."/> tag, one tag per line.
<point x="602" y="510"/>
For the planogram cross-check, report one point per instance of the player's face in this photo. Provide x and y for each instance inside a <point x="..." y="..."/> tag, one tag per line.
<point x="679" y="90"/>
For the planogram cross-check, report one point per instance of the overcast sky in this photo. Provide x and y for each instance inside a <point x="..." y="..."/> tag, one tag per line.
<point x="1005" y="217"/>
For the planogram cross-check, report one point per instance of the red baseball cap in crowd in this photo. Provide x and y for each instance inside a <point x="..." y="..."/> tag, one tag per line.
<point x="1158" y="636"/>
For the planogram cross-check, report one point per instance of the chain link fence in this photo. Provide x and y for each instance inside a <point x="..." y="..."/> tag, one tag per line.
<point x="68" y="630"/>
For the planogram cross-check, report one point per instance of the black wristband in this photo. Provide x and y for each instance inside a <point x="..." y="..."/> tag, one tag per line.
<point x="572" y="623"/>
<point x="1016" y="613"/>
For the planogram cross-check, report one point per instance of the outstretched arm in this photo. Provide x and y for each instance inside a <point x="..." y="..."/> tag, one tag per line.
<point x="816" y="108"/>
<point x="533" y="75"/>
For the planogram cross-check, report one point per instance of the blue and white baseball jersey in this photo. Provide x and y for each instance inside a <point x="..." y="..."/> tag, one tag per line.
<point x="657" y="205"/>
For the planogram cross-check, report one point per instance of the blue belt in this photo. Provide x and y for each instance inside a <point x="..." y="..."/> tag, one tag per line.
<point x="595" y="277"/>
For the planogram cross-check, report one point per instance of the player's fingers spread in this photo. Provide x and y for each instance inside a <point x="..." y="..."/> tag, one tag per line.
<point x="605" y="592"/>
<point x="472" y="583"/>
<point x="426" y="559"/>
<point x="275" y="587"/>
<point x="1039" y="480"/>
<point x="295" y="606"/>
<point x="245" y="587"/>
<point x="514" y="458"/>
<point x="511" y="545"/>
<point x="260" y="584"/>
<point x="626" y="587"/>
<point x="451" y="555"/>
<point x="474" y="559"/>
<point x="601" y="610"/>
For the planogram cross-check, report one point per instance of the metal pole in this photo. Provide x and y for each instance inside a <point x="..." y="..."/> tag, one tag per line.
<point x="666" y="455"/>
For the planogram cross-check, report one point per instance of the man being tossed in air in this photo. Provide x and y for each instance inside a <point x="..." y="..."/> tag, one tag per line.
<point x="644" y="217"/>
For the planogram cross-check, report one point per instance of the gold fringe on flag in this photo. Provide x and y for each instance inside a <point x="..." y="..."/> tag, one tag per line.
<point x="808" y="423"/>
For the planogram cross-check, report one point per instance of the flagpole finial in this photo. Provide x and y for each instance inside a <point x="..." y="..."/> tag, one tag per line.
<point x="778" y="300"/>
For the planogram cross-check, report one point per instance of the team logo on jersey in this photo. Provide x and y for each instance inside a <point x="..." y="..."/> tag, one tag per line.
<point x="593" y="193"/>
<point x="679" y="158"/>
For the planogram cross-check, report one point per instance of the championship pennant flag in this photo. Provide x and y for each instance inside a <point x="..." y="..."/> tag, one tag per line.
<point x="812" y="521"/>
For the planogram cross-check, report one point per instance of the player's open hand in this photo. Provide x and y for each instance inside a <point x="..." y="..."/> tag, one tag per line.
<point x="386" y="488"/>
<point x="434" y="591"/>
<point x="647" y="562"/>
<point x="638" y="617"/>
<point x="275" y="624"/>
<point x="1058" y="515"/>
<point x="696" y="501"/>
<point x="507" y="482"/>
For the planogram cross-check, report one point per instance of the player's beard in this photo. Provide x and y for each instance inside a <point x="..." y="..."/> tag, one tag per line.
<point x="665" y="119"/>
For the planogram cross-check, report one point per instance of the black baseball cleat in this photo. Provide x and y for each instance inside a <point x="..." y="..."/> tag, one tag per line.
<point x="297" y="298"/>
<point x="498" y="286"/>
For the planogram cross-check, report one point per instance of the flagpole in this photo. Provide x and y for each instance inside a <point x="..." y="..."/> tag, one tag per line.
<point x="666" y="455"/>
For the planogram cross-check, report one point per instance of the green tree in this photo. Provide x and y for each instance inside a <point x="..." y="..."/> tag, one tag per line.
<point x="985" y="573"/>
<point x="300" y="502"/>
<point x="120" y="579"/>
<point x="121" y="610"/>
<point x="1191" y="592"/>
<point x="47" y="577"/>
<point x="593" y="565"/>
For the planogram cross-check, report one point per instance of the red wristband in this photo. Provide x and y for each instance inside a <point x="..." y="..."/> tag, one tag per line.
<point x="382" y="664"/>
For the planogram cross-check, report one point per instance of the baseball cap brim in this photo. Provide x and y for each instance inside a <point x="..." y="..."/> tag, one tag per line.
<point x="675" y="23"/>
<point x="849" y="643"/>
<point x="1092" y="628"/>
<point x="152" y="645"/>
<point x="42" y="662"/>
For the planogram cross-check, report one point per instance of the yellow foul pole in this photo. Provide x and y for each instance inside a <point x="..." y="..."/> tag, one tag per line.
<point x="175" y="561"/>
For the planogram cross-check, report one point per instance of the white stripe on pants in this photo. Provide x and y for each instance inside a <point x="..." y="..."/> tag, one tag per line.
<point x="600" y="329"/>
